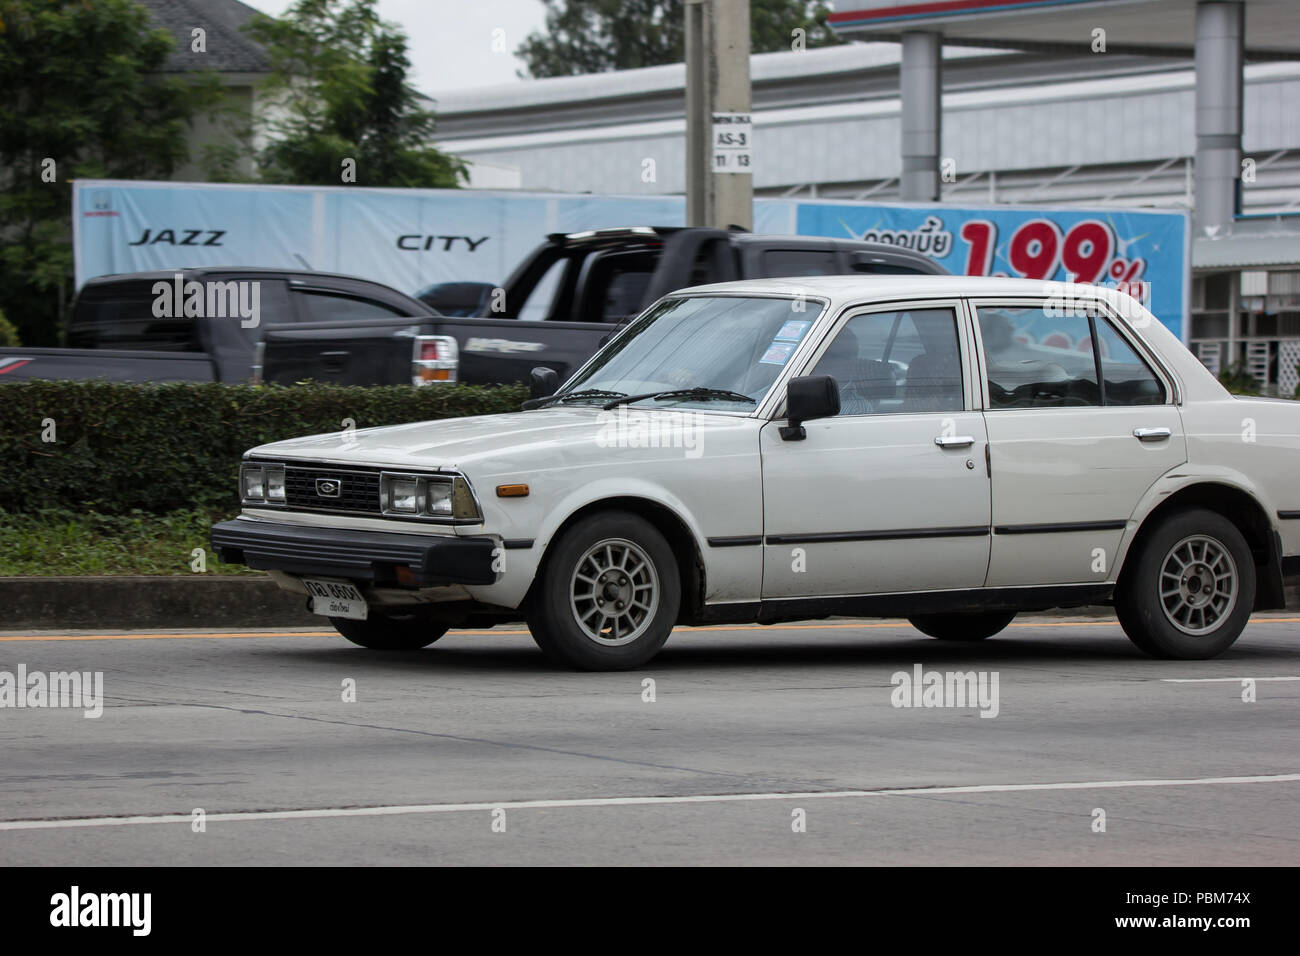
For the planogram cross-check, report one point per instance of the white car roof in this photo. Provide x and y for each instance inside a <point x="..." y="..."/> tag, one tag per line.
<point x="842" y="291"/>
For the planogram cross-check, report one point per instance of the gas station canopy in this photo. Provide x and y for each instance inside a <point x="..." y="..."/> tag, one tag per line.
<point x="1150" y="27"/>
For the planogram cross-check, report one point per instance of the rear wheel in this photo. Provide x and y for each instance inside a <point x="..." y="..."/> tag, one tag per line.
<point x="391" y="632"/>
<point x="608" y="595"/>
<point x="1188" y="592"/>
<point x="973" y="626"/>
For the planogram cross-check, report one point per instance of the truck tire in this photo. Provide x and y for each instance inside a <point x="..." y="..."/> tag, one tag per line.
<point x="971" y="626"/>
<point x="608" y="594"/>
<point x="390" y="632"/>
<point x="1188" y="591"/>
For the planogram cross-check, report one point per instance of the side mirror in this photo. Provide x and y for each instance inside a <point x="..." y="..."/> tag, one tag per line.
<point x="808" y="397"/>
<point x="542" y="382"/>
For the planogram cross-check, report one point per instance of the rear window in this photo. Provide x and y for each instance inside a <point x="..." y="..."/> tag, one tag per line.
<point x="886" y="269"/>
<point x="616" y="285"/>
<point x="784" y="263"/>
<point x="120" y="316"/>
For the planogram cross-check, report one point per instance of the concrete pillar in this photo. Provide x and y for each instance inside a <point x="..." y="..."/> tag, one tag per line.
<point x="1219" y="55"/>
<point x="717" y="81"/>
<point x="921" y="84"/>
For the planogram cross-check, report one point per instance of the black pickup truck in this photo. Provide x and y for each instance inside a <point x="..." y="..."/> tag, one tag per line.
<point x="559" y="305"/>
<point x="210" y="323"/>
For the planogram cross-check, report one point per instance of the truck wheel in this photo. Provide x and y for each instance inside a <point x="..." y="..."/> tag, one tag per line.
<point x="973" y="626"/>
<point x="1189" y="590"/>
<point x="390" y="632"/>
<point x="608" y="594"/>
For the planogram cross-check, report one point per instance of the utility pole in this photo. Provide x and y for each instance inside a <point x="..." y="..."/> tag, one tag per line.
<point x="719" y="130"/>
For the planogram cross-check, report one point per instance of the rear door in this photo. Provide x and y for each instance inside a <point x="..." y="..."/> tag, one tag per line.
<point x="1081" y="422"/>
<point x="343" y="337"/>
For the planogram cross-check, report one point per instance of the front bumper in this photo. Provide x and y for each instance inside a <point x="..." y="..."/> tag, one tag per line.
<point x="374" y="556"/>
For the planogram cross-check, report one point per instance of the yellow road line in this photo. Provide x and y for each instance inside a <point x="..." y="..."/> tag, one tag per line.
<point x="244" y="635"/>
<point x="161" y="637"/>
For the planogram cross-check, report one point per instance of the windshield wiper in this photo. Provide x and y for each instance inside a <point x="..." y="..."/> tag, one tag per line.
<point x="584" y="393"/>
<point x="699" y="392"/>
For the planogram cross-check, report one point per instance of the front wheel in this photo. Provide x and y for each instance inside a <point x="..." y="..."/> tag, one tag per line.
<point x="390" y="632"/>
<point x="1190" y="588"/>
<point x="974" y="626"/>
<point x="608" y="595"/>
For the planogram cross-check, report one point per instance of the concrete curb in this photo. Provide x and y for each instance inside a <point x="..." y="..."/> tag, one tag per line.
<point x="147" y="602"/>
<point x="130" y="602"/>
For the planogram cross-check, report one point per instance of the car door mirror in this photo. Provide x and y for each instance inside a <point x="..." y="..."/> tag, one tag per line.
<point x="542" y="382"/>
<point x="808" y="397"/>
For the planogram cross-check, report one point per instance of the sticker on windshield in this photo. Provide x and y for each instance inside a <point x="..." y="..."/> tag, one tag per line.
<point x="792" y="331"/>
<point x="778" y="353"/>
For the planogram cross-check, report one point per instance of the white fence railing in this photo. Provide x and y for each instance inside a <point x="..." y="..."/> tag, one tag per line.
<point x="1272" y="362"/>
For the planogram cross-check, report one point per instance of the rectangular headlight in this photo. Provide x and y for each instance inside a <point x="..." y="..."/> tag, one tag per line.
<point x="252" y="483"/>
<point x="404" y="495"/>
<point x="439" y="502"/>
<point x="273" y="484"/>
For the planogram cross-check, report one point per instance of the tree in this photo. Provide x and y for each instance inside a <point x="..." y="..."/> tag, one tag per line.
<point x="84" y="97"/>
<point x="595" y="36"/>
<point x="338" y="92"/>
<point x="8" y="334"/>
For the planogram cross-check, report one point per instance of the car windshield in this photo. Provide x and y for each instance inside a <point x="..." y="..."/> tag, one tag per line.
<point x="709" y="351"/>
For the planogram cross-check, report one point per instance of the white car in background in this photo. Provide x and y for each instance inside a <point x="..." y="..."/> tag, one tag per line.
<point x="952" y="450"/>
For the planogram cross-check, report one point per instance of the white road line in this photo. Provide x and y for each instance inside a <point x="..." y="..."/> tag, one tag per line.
<point x="382" y="811"/>
<point x="1219" y="680"/>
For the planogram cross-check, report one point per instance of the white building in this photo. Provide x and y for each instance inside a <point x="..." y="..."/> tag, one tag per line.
<point x="1028" y="116"/>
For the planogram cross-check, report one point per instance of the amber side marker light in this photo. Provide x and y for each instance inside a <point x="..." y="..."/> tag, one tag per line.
<point x="512" y="491"/>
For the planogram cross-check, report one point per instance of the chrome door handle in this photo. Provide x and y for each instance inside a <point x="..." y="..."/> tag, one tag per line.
<point x="954" y="441"/>
<point x="1152" y="434"/>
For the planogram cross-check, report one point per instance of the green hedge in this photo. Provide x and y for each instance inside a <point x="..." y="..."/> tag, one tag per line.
<point x="159" y="448"/>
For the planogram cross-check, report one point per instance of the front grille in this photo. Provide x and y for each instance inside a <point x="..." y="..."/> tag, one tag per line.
<point x="358" y="490"/>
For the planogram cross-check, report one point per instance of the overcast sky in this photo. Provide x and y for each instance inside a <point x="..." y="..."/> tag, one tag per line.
<point x="450" y="41"/>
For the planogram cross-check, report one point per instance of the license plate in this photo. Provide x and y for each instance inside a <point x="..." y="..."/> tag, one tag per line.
<point x="336" y="598"/>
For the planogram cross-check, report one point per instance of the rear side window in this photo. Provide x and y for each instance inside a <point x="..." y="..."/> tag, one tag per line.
<point x="119" y="315"/>
<point x="1037" y="358"/>
<point x="323" y="307"/>
<point x="1128" y="380"/>
<point x="784" y="263"/>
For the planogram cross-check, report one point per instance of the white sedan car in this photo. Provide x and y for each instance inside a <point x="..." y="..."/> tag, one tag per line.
<point x="951" y="450"/>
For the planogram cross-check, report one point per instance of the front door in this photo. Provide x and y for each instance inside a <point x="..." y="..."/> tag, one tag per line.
<point x="892" y="494"/>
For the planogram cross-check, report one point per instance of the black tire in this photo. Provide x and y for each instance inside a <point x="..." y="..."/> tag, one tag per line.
<point x="1167" y="625"/>
<point x="391" y="632"/>
<point x="970" y="626"/>
<point x="563" y="601"/>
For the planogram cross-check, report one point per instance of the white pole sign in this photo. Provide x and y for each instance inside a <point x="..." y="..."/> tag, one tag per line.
<point x="733" y="143"/>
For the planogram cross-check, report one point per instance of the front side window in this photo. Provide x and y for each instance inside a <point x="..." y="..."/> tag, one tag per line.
<point x="537" y="306"/>
<point x="903" y="361"/>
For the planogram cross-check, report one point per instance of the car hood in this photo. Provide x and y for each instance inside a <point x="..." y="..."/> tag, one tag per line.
<point x="516" y="439"/>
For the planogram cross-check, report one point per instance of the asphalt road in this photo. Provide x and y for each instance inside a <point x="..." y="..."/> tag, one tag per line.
<point x="748" y="727"/>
